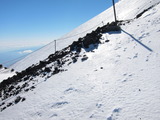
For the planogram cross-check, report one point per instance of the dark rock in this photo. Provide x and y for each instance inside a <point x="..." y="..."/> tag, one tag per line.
<point x="3" y="108"/>
<point x="74" y="59"/>
<point x="26" y="90"/>
<point x="84" y="58"/>
<point x="107" y="41"/>
<point x="17" y="92"/>
<point x="47" y="69"/>
<point x="56" y="70"/>
<point x="9" y="104"/>
<point x="23" y="99"/>
<point x="32" y="87"/>
<point x="10" y="88"/>
<point x="1" y="66"/>
<point x="2" y="103"/>
<point x="17" y="99"/>
<point x="25" y="85"/>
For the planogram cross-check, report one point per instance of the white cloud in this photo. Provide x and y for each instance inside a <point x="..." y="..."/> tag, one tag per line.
<point x="25" y="51"/>
<point x="7" y="45"/>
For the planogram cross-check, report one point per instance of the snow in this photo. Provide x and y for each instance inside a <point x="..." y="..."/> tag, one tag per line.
<point x="118" y="81"/>
<point x="5" y="73"/>
<point x="125" y="10"/>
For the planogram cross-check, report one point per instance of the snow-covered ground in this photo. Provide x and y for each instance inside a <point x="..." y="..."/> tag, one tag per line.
<point x="120" y="80"/>
<point x="126" y="9"/>
<point x="5" y="73"/>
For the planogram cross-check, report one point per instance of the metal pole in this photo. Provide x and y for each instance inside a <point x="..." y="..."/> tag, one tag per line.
<point x="114" y="11"/>
<point x="55" y="44"/>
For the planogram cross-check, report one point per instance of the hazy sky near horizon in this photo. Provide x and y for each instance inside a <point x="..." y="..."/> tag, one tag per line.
<point x="37" y="22"/>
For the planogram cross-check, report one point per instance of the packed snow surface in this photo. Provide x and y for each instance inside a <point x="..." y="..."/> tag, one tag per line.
<point x="120" y="80"/>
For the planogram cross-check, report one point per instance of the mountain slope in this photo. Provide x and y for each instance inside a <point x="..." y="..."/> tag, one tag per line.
<point x="118" y="81"/>
<point x="125" y="10"/>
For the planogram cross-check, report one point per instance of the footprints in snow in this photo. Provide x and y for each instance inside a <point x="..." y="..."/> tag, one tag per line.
<point x="62" y="104"/>
<point x="143" y="36"/>
<point x="54" y="115"/>
<point x="147" y="59"/>
<point x="127" y="77"/>
<point x="136" y="56"/>
<point x="97" y="110"/>
<point x="59" y="104"/>
<point x="71" y="90"/>
<point x="99" y="105"/>
<point x="115" y="114"/>
<point x="124" y="50"/>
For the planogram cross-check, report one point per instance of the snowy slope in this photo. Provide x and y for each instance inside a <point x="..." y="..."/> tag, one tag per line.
<point x="5" y="73"/>
<point x="125" y="10"/>
<point x="118" y="81"/>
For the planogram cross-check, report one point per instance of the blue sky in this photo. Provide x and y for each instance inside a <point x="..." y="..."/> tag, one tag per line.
<point x="36" y="22"/>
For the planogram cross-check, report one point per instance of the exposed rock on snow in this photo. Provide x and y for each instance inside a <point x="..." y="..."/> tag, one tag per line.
<point x="114" y="80"/>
